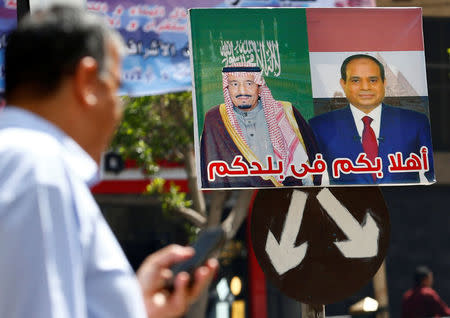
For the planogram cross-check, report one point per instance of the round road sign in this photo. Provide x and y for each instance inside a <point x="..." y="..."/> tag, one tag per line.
<point x="320" y="245"/>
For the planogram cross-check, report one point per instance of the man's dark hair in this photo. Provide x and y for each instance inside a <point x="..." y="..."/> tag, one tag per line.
<point x="360" y="56"/>
<point x="420" y="274"/>
<point x="48" y="45"/>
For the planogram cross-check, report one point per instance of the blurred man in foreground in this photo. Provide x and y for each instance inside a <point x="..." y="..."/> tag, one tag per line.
<point x="58" y="257"/>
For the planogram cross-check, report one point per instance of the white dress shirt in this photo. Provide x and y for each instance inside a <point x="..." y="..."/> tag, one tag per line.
<point x="58" y="257"/>
<point x="375" y="114"/>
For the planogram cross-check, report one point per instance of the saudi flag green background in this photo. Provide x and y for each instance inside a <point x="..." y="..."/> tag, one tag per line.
<point x="276" y="40"/>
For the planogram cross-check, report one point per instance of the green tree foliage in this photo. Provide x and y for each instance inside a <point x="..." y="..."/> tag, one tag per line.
<point x="170" y="198"/>
<point x="155" y="128"/>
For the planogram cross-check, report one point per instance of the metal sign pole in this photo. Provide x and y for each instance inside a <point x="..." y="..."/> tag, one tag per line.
<point x="313" y="311"/>
<point x="381" y="291"/>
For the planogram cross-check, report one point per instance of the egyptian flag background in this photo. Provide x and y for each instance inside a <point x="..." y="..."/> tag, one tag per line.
<point x="393" y="36"/>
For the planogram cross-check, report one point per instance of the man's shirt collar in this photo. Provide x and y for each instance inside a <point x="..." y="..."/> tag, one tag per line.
<point x="75" y="156"/>
<point x="358" y="114"/>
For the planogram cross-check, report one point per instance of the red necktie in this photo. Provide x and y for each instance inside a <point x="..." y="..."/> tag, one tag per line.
<point x="369" y="141"/>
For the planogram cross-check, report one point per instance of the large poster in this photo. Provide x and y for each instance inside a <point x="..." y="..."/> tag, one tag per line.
<point x="310" y="97"/>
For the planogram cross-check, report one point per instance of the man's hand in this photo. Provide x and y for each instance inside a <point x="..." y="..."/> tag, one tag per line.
<point x="154" y="272"/>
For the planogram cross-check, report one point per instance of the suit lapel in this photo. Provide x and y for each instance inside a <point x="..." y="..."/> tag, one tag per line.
<point x="388" y="139"/>
<point x="353" y="142"/>
<point x="389" y="132"/>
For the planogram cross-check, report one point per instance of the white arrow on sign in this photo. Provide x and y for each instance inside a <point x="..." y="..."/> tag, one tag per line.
<point x="284" y="255"/>
<point x="362" y="239"/>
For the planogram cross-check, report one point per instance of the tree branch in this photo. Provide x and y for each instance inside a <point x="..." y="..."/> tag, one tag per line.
<point x="216" y="207"/>
<point x="198" y="198"/>
<point x="193" y="216"/>
<point x="234" y="220"/>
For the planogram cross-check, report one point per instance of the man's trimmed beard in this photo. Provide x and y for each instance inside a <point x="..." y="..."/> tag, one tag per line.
<point x="246" y="106"/>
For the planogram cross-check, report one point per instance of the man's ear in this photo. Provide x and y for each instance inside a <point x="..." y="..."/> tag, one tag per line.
<point x="86" y="81"/>
<point x="342" y="82"/>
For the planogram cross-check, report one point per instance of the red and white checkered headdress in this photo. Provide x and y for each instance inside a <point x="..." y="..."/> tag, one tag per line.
<point x="282" y="137"/>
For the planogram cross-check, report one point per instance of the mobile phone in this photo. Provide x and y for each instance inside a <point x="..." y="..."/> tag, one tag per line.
<point x="208" y="242"/>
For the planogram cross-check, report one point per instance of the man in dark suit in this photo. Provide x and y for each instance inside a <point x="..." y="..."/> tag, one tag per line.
<point x="368" y="126"/>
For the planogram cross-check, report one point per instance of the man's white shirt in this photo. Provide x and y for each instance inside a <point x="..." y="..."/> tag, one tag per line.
<point x="58" y="256"/>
